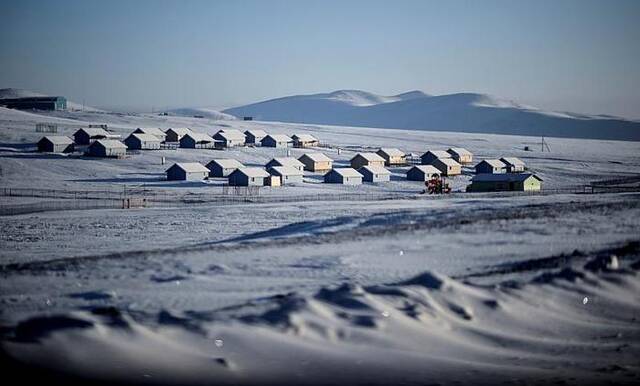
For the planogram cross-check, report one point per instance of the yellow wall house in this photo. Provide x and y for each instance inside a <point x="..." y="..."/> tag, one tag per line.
<point x="505" y="182"/>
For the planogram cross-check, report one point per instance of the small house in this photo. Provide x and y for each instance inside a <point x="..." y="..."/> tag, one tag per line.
<point x="345" y="176"/>
<point x="461" y="155"/>
<point x="374" y="174"/>
<point x="138" y="141"/>
<point x="223" y="167"/>
<point x="193" y="140"/>
<point x="275" y="140"/>
<point x="187" y="171"/>
<point x="422" y="173"/>
<point x="229" y="138"/>
<point x="107" y="148"/>
<point x="285" y="161"/>
<point x="513" y="164"/>
<point x="287" y="174"/>
<point x="248" y="177"/>
<point x="432" y="155"/>
<point x="316" y="162"/>
<point x="505" y="182"/>
<point x="85" y="136"/>
<point x="254" y="136"/>
<point x="153" y="131"/>
<point x="304" y="140"/>
<point x="392" y="157"/>
<point x="447" y="166"/>
<point x="176" y="134"/>
<point x="366" y="159"/>
<point x="55" y="144"/>
<point x="491" y="166"/>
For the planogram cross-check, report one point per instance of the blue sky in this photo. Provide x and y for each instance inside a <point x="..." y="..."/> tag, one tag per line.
<point x="581" y="56"/>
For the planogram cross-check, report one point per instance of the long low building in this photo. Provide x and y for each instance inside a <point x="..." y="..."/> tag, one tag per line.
<point x="248" y="177"/>
<point x="107" y="148"/>
<point x="55" y="144"/>
<point x="187" y="171"/>
<point x="223" y="167"/>
<point x="374" y="174"/>
<point x="138" y="141"/>
<point x="316" y="162"/>
<point x="345" y="176"/>
<point x="197" y="141"/>
<point x="35" y="103"/>
<point x="505" y="182"/>
<point x="85" y="136"/>
<point x="276" y="140"/>
<point x="392" y="156"/>
<point x="422" y="173"/>
<point x="176" y="134"/>
<point x="287" y="174"/>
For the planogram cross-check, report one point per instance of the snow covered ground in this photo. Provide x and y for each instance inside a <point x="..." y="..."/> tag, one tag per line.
<point x="320" y="291"/>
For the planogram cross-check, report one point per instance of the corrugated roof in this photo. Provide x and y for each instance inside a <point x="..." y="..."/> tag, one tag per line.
<point x="346" y="172"/>
<point x="513" y="161"/>
<point x="459" y="151"/>
<point x="370" y="157"/>
<point x="253" y="172"/>
<point x="286" y="161"/>
<point x="438" y="153"/>
<point x="317" y="157"/>
<point x="227" y="163"/>
<point x="58" y="139"/>
<point x="496" y="163"/>
<point x="285" y="171"/>
<point x="427" y="169"/>
<point x="391" y="152"/>
<point x="150" y="130"/>
<point x="503" y="177"/>
<point x="111" y="143"/>
<point x="375" y="169"/>
<point x="305" y="137"/>
<point x="146" y="137"/>
<point x="191" y="167"/>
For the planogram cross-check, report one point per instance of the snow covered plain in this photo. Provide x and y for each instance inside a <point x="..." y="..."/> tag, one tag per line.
<point x="472" y="288"/>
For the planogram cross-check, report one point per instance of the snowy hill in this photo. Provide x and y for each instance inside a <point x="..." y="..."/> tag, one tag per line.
<point x="20" y="93"/>
<point x="200" y="112"/>
<point x="464" y="112"/>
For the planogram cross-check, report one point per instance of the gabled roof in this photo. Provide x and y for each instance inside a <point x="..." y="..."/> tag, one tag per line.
<point x="438" y="153"/>
<point x="230" y="135"/>
<point x="512" y="161"/>
<point x="460" y="151"/>
<point x="199" y="137"/>
<point x="256" y="132"/>
<point x="369" y="157"/>
<point x="496" y="163"/>
<point x="391" y="152"/>
<point x="374" y="170"/>
<point x="286" y="161"/>
<point x="503" y="177"/>
<point x="278" y="137"/>
<point x="58" y="139"/>
<point x="110" y="144"/>
<point x="447" y="161"/>
<point x="150" y="130"/>
<point x="285" y="171"/>
<point x="316" y="157"/>
<point x="252" y="172"/>
<point x="226" y="163"/>
<point x="94" y="131"/>
<point x="427" y="169"/>
<point x="145" y="137"/>
<point x="346" y="172"/>
<point x="190" y="167"/>
<point x="304" y="138"/>
<point x="179" y="130"/>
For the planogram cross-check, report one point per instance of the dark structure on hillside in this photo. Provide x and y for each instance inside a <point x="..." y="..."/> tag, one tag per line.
<point x="35" y="103"/>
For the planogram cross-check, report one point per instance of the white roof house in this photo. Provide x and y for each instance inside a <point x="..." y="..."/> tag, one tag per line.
<point x="513" y="161"/>
<point x="280" y="137"/>
<point x="461" y="151"/>
<point x="286" y="161"/>
<point x="253" y="172"/>
<point x="318" y="157"/>
<point x="192" y="167"/>
<point x="232" y="133"/>
<point x="347" y="172"/>
<point x="391" y="152"/>
<point x="150" y="130"/>
<point x="58" y="139"/>
<point x="258" y="133"/>
<point x="227" y="163"/>
<point x="285" y="171"/>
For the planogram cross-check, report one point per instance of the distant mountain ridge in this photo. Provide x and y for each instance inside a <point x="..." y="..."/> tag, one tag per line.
<point x="463" y="112"/>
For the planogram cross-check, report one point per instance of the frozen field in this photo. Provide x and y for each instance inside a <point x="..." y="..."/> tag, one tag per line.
<point x="246" y="292"/>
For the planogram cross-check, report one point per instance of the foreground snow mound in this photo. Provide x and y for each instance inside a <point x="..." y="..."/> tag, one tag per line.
<point x="577" y="325"/>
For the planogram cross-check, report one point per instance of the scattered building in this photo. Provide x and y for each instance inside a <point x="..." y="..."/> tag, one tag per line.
<point x="345" y="176"/>
<point x="137" y="141"/>
<point x="187" y="171"/>
<point x="276" y="140"/>
<point x="223" y="167"/>
<point x="432" y="155"/>
<point x="461" y="155"/>
<point x="392" y="157"/>
<point x="35" y="103"/>
<point x="491" y="166"/>
<point x="366" y="159"/>
<point x="287" y="174"/>
<point x="374" y="174"/>
<point x="197" y="141"/>
<point x="248" y="177"/>
<point x="162" y="136"/>
<point x="447" y="166"/>
<point x="176" y="134"/>
<point x="85" y="136"/>
<point x="422" y="173"/>
<point x="316" y="162"/>
<point x="254" y="136"/>
<point x="107" y="148"/>
<point x="55" y="144"/>
<point x="513" y="164"/>
<point x="229" y="138"/>
<point x="304" y="140"/>
<point x="505" y="182"/>
<point x="285" y="161"/>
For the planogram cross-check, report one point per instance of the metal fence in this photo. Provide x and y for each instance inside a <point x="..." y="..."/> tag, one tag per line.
<point x="46" y="206"/>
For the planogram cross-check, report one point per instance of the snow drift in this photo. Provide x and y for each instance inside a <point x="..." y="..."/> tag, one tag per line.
<point x="464" y="112"/>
